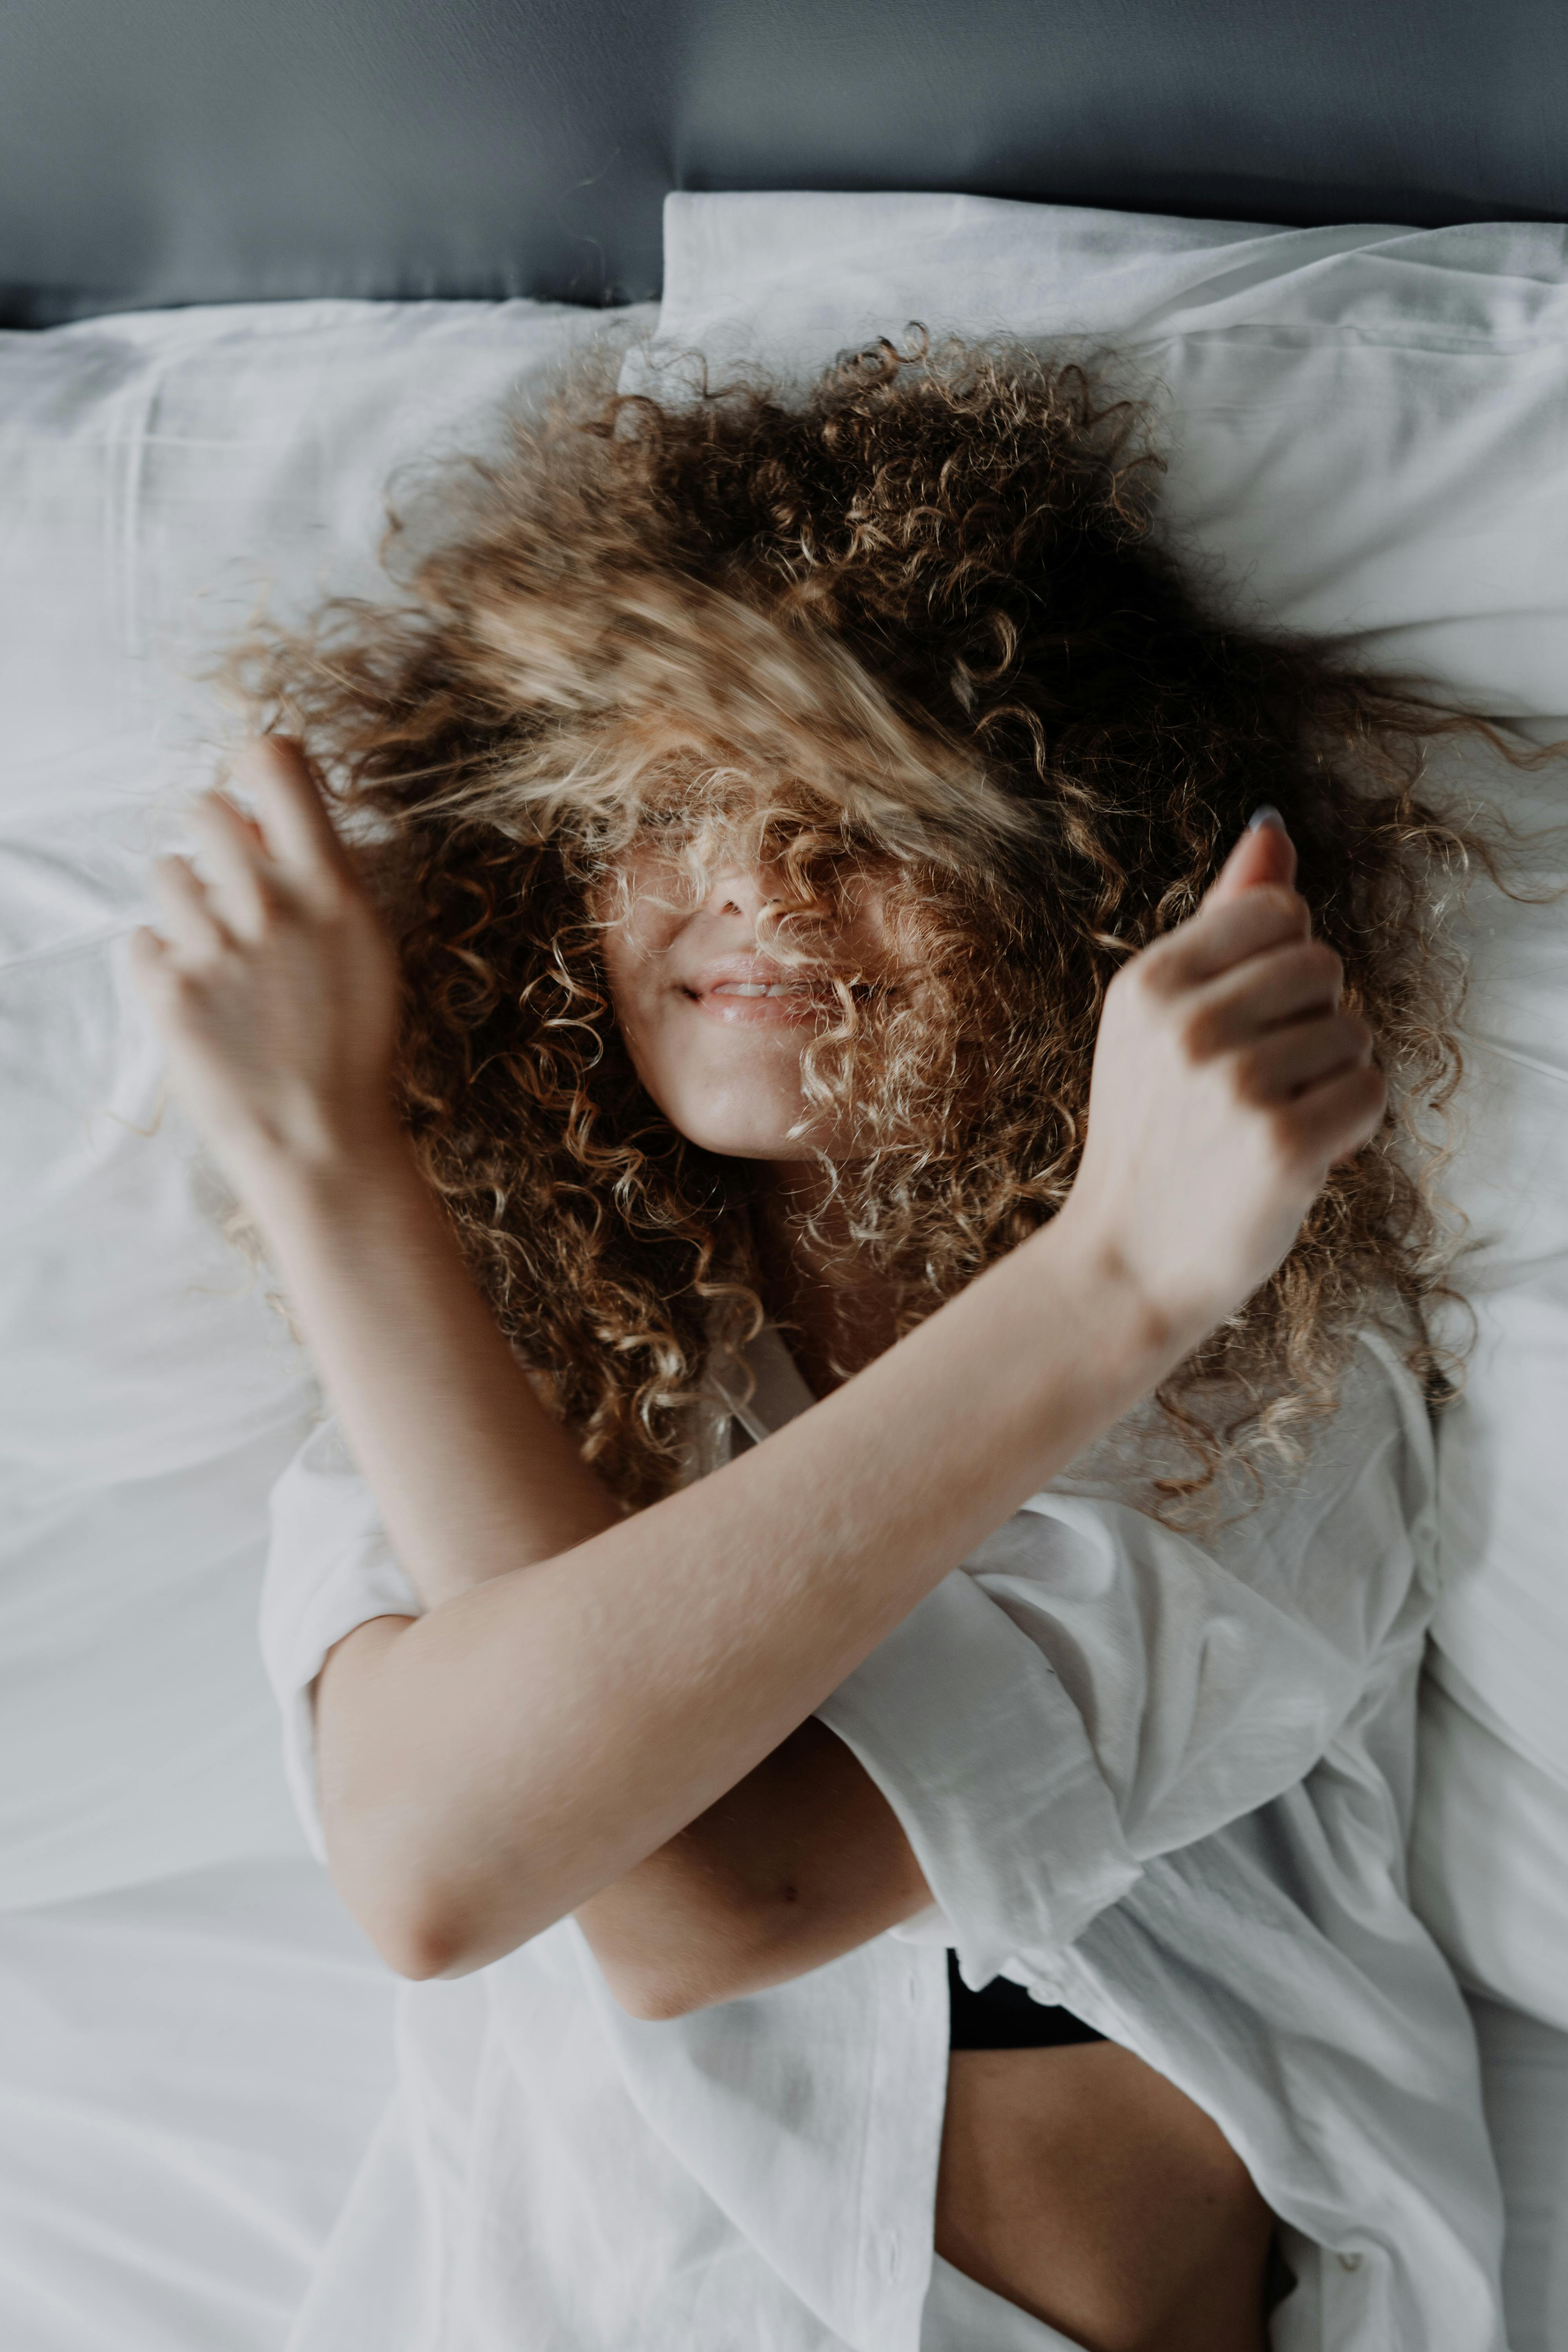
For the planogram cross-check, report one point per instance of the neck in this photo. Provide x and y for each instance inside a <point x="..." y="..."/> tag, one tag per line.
<point x="838" y="1315"/>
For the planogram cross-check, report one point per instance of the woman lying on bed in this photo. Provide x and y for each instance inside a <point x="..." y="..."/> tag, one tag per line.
<point x="865" y="1632"/>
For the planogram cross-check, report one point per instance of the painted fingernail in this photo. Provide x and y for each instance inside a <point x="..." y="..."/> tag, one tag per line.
<point x="1265" y="815"/>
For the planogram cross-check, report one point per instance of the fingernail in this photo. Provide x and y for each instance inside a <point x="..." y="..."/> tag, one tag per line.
<point x="1265" y="815"/>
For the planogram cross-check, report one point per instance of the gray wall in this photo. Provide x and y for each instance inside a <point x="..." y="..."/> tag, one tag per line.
<point x="173" y="151"/>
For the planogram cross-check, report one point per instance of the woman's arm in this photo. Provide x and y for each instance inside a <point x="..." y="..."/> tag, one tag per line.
<point x="580" y="1692"/>
<point x="547" y="1725"/>
<point x="801" y="1861"/>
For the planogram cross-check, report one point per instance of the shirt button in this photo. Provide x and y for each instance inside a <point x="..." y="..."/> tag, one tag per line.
<point x="1349" y="2261"/>
<point x="912" y="1986"/>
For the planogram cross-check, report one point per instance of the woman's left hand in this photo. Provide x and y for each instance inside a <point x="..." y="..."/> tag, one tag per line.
<point x="276" y="988"/>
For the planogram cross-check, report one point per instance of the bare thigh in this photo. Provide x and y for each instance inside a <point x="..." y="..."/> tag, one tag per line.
<point x="1081" y="2184"/>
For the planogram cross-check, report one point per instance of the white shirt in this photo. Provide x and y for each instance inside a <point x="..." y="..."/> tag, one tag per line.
<point x="1164" y="1781"/>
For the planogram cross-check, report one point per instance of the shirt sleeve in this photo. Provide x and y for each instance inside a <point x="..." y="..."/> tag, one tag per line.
<point x="328" y="1569"/>
<point x="1095" y="1689"/>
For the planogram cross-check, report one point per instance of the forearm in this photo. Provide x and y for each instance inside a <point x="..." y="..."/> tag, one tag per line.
<point x="801" y="1861"/>
<point x="472" y="1475"/>
<point x="537" y="1735"/>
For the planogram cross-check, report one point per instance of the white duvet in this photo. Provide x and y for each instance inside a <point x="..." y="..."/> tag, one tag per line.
<point x="1369" y="428"/>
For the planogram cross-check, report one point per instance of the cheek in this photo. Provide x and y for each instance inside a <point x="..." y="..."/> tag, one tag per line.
<point x="644" y="1007"/>
<point x="633" y="973"/>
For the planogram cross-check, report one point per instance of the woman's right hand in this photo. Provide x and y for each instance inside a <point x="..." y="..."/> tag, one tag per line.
<point x="276" y="991"/>
<point x="1228" y="1081"/>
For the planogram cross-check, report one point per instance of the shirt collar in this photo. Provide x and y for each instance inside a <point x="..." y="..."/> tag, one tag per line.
<point x="762" y="1387"/>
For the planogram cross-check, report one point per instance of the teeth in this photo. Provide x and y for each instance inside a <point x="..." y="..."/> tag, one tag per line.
<point x="756" y="988"/>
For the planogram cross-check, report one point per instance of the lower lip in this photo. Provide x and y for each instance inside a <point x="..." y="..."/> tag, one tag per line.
<point x="800" y="1009"/>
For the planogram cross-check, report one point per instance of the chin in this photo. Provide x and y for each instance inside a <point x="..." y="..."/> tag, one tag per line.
<point x="749" y="1143"/>
<point x="735" y="1121"/>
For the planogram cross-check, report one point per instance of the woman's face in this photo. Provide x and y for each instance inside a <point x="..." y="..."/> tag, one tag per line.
<point x="715" y="1024"/>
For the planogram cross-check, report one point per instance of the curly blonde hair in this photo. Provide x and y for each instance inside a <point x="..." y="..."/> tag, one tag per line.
<point x="922" y="621"/>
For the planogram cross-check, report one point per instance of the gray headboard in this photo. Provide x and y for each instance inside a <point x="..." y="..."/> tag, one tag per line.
<point x="179" y="150"/>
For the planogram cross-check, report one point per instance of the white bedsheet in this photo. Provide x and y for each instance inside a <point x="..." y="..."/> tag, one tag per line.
<point x="1525" y="2070"/>
<point x="189" y="2072"/>
<point x="1369" y="426"/>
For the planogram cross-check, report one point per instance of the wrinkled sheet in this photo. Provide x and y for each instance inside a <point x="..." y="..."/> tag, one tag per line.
<point x="189" y="2072"/>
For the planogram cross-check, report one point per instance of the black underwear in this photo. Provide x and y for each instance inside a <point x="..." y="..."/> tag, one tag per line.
<point x="1003" y="2016"/>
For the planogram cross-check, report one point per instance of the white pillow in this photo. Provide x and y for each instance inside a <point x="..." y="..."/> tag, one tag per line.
<point x="153" y="471"/>
<point x="1367" y="424"/>
<point x="1490" y="1860"/>
<point x="1369" y="428"/>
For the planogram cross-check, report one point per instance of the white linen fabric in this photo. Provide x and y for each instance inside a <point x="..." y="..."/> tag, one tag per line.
<point x="1486" y="1860"/>
<point x="189" y="2072"/>
<point x="1525" y="2072"/>
<point x="1164" y="1780"/>
<point x="1492" y="1849"/>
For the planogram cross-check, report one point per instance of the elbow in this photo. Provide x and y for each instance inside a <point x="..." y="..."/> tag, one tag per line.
<point x="674" y="1968"/>
<point x="419" y="1944"/>
<point x="419" y="1955"/>
<point x="660" y="2004"/>
<point x="422" y="1942"/>
<point x="424" y="1921"/>
<point x="655" y="1995"/>
<point x="417" y="1930"/>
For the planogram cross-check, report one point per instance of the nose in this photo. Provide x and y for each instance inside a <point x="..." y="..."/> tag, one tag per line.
<point x="747" y="892"/>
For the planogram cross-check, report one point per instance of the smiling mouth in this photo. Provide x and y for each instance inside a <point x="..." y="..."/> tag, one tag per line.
<point x="775" y="1002"/>
<point x="754" y="988"/>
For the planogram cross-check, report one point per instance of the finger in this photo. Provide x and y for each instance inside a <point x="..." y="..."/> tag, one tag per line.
<point x="236" y="849"/>
<point x="1283" y="1065"/>
<point x="294" y="819"/>
<point x="1224" y="933"/>
<point x="1265" y="853"/>
<point x="188" y="917"/>
<point x="242" y="817"/>
<point x="1334" y="1121"/>
<point x="1299" y="982"/>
